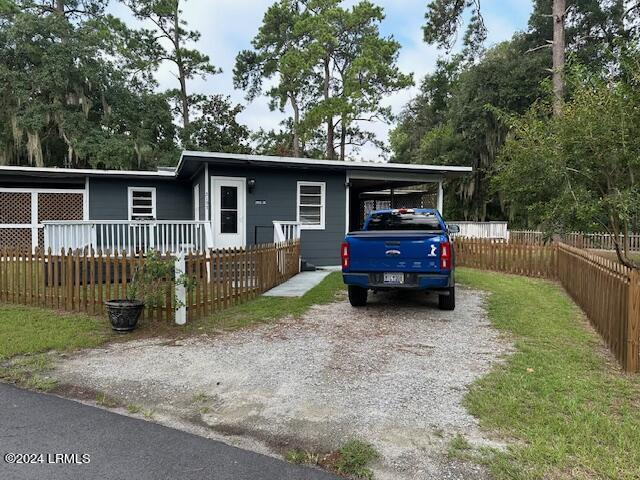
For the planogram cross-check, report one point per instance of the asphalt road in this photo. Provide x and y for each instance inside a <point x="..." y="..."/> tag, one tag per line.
<point x="119" y="447"/>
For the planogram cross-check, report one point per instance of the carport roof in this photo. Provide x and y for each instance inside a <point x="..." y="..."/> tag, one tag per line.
<point x="190" y="161"/>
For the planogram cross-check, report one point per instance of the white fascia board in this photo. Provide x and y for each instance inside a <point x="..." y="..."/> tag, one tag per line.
<point x="382" y="166"/>
<point x="86" y="171"/>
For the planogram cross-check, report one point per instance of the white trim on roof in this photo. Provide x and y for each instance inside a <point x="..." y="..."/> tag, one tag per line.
<point x="263" y="159"/>
<point x="86" y="171"/>
<point x="325" y="163"/>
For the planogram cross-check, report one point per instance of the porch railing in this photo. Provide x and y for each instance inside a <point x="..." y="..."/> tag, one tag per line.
<point x="164" y="236"/>
<point x="482" y="229"/>
<point x="284" y="231"/>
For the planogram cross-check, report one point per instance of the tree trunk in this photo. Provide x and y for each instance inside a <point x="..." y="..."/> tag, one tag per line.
<point x="331" y="153"/>
<point x="558" y="49"/>
<point x="184" y="98"/>
<point x="296" y="126"/>
<point x="343" y="138"/>
<point x="60" y="7"/>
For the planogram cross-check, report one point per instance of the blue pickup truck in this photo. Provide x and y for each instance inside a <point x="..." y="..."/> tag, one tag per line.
<point x="400" y="249"/>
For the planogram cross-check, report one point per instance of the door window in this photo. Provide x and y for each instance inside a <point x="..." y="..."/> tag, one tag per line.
<point x="228" y="209"/>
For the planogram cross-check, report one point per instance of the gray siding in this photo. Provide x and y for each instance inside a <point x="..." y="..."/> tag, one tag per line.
<point x="278" y="187"/>
<point x="108" y="198"/>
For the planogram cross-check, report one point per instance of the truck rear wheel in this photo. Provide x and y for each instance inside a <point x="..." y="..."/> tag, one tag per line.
<point x="357" y="296"/>
<point x="448" y="302"/>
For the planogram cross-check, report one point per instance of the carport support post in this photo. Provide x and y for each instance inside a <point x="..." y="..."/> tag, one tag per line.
<point x="181" y="291"/>
<point x="440" y="197"/>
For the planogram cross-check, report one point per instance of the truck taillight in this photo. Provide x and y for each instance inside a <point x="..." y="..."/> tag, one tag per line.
<point x="344" y="253"/>
<point x="445" y="256"/>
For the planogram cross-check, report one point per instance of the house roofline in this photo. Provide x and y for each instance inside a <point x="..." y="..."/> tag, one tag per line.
<point x="337" y="164"/>
<point x="447" y="170"/>
<point x="85" y="172"/>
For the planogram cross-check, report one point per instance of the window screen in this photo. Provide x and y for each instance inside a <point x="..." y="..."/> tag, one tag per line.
<point x="142" y="204"/>
<point x="311" y="204"/>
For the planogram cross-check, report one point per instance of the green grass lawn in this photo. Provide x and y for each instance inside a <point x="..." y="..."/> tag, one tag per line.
<point x="267" y="309"/>
<point x="25" y="330"/>
<point x="27" y="333"/>
<point x="29" y="330"/>
<point x="564" y="403"/>
<point x="258" y="310"/>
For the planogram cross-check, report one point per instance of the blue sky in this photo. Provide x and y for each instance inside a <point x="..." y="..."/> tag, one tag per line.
<point x="227" y="26"/>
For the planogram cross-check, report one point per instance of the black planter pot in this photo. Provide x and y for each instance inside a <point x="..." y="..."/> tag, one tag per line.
<point x="124" y="314"/>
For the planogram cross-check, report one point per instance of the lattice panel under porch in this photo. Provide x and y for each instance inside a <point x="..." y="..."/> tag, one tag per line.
<point x="60" y="206"/>
<point x="15" y="207"/>
<point x="15" y="237"/>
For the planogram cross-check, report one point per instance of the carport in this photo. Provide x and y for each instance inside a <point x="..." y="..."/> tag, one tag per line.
<point x="420" y="186"/>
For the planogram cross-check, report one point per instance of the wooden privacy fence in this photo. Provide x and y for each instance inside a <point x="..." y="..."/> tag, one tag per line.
<point x="596" y="241"/>
<point x="607" y="291"/>
<point x="508" y="257"/>
<point x="80" y="281"/>
<point x="609" y="294"/>
<point x="225" y="278"/>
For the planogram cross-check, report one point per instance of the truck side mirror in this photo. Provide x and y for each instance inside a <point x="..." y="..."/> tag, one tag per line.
<point x="454" y="228"/>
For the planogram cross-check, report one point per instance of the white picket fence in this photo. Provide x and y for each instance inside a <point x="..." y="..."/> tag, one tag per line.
<point x="596" y="241"/>
<point x="482" y="229"/>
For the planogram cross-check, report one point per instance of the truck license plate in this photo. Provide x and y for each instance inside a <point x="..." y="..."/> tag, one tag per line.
<point x="394" y="278"/>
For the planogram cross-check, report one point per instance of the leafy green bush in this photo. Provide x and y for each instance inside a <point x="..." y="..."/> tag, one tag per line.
<point x="154" y="277"/>
<point x="355" y="455"/>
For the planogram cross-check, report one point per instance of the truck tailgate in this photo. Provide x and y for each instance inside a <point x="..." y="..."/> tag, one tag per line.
<point x="395" y="251"/>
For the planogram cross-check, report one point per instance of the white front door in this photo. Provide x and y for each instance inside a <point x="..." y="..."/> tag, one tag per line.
<point x="228" y="211"/>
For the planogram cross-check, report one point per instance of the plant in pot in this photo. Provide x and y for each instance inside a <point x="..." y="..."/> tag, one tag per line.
<point x="148" y="287"/>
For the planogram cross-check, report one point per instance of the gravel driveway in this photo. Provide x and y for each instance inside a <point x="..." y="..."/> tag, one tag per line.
<point x="393" y="374"/>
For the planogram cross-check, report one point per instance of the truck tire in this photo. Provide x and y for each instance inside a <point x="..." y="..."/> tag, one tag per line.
<point x="357" y="296"/>
<point x="448" y="302"/>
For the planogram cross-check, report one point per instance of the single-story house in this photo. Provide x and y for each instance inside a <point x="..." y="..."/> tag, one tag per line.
<point x="210" y="200"/>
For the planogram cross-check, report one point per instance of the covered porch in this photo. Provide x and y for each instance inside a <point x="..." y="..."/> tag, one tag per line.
<point x="167" y="237"/>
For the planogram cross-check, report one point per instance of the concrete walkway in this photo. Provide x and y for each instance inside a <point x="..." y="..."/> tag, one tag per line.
<point x="300" y="284"/>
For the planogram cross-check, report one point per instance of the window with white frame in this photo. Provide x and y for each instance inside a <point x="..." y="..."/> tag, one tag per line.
<point x="311" y="205"/>
<point x="142" y="203"/>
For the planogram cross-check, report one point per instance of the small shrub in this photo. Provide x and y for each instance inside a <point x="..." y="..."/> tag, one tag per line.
<point x="106" y="401"/>
<point x="153" y="277"/>
<point x="296" y="456"/>
<point x="200" y="398"/>
<point x="354" y="458"/>
<point x="148" y="414"/>
<point x="459" y="447"/>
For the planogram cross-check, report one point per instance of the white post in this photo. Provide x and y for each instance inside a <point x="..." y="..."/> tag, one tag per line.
<point x="34" y="221"/>
<point x="440" y="197"/>
<point x="181" y="293"/>
<point x="347" y="203"/>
